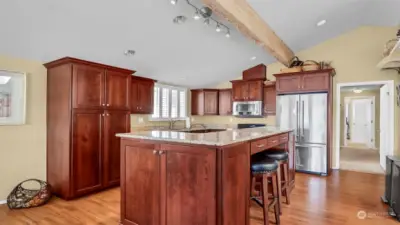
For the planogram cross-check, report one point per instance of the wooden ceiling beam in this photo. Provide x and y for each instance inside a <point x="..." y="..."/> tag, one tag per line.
<point x="247" y="21"/>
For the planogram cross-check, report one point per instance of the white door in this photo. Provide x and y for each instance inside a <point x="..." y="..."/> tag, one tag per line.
<point x="361" y="121"/>
<point x="384" y="125"/>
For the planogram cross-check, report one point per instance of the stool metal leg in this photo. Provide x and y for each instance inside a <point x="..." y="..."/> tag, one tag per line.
<point x="264" y="193"/>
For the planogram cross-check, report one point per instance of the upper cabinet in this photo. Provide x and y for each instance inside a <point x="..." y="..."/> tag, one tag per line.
<point x="247" y="90"/>
<point x="204" y="101"/>
<point x="142" y="92"/>
<point x="270" y="99"/>
<point x="310" y="81"/>
<point x="225" y="102"/>
<point x="99" y="87"/>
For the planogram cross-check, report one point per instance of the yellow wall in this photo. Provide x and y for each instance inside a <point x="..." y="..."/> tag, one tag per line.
<point x="23" y="148"/>
<point x="344" y="94"/>
<point x="354" y="55"/>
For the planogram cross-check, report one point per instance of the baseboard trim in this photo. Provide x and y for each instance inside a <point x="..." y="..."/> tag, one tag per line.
<point x="2" y="202"/>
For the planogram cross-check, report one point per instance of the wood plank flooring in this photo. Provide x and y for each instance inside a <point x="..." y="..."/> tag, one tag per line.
<point x="335" y="200"/>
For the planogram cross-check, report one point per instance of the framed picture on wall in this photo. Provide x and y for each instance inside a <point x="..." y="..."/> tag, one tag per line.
<point x="12" y="98"/>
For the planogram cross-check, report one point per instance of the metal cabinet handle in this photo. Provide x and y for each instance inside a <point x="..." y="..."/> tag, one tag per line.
<point x="103" y="104"/>
<point x="108" y="104"/>
<point x="274" y="141"/>
<point x="260" y="146"/>
<point x="161" y="152"/>
<point x="155" y="152"/>
<point x="102" y="115"/>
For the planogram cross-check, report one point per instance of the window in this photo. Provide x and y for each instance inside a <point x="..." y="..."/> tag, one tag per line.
<point x="169" y="102"/>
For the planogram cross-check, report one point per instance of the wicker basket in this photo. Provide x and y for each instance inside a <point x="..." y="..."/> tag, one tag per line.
<point x="20" y="197"/>
<point x="291" y="70"/>
<point x="311" y="65"/>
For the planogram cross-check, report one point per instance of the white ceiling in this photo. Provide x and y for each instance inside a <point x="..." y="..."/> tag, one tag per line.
<point x="190" y="54"/>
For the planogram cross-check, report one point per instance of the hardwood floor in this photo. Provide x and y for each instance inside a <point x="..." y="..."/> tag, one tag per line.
<point x="335" y="200"/>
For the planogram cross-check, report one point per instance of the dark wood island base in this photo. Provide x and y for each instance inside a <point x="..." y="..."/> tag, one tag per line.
<point x="170" y="183"/>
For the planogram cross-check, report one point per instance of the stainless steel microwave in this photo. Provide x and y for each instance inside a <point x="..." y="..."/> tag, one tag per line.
<point x="247" y="109"/>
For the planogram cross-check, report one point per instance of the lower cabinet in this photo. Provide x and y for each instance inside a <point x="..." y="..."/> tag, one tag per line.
<point x="175" y="185"/>
<point x="96" y="150"/>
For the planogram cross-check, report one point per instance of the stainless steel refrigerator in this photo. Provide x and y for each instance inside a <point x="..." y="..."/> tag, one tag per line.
<point x="307" y="115"/>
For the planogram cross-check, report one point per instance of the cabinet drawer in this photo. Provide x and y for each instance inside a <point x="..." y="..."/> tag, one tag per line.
<point x="258" y="146"/>
<point x="273" y="141"/>
<point x="283" y="138"/>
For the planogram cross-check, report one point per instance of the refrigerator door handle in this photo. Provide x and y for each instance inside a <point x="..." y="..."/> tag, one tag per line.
<point x="298" y="122"/>
<point x="302" y="119"/>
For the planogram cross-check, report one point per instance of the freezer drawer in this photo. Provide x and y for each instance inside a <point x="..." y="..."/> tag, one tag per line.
<point x="311" y="158"/>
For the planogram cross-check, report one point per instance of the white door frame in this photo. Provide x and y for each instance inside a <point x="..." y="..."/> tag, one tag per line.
<point x="373" y="118"/>
<point x="338" y="126"/>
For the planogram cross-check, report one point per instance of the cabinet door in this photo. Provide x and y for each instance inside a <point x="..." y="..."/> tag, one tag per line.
<point x="288" y="84"/>
<point x="145" y="97"/>
<point x="315" y="82"/>
<point x="225" y="102"/>
<point x="255" y="90"/>
<point x="197" y="103"/>
<point x="86" y="151"/>
<point x="211" y="102"/>
<point x="140" y="185"/>
<point x="114" y="122"/>
<point x="134" y="97"/>
<point x="88" y="87"/>
<point x="237" y="91"/>
<point x="269" y="100"/>
<point x="117" y="90"/>
<point x="189" y="176"/>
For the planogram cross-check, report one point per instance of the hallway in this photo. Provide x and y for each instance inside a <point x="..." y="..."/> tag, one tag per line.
<point x="360" y="160"/>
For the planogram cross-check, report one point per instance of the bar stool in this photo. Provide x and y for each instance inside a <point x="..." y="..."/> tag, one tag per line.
<point x="265" y="169"/>
<point x="281" y="156"/>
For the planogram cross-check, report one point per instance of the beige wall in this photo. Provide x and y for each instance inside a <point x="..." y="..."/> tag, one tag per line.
<point x="23" y="148"/>
<point x="343" y="95"/>
<point x="354" y="55"/>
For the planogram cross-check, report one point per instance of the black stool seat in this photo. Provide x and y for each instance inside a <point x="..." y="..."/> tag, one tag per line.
<point x="263" y="164"/>
<point x="280" y="155"/>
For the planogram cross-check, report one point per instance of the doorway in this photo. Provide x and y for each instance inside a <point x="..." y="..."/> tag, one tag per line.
<point x="365" y="128"/>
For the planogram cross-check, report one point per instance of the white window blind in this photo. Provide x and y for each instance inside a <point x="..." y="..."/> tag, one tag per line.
<point x="170" y="102"/>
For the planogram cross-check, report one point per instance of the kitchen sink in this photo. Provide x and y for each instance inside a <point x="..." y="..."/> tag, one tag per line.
<point x="202" y="131"/>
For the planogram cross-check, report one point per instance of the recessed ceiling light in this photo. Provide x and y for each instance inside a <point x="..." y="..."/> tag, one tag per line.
<point x="320" y="23"/>
<point x="357" y="91"/>
<point x="253" y="58"/>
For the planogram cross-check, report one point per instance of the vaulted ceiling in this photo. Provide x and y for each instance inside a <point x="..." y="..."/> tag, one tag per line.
<point x="190" y="54"/>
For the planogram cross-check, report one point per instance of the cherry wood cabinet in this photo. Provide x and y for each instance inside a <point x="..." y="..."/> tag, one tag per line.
<point x="142" y="93"/>
<point x="86" y="151"/>
<point x="87" y="103"/>
<point x="157" y="179"/>
<point x="247" y="90"/>
<point x="114" y="122"/>
<point x="204" y="102"/>
<point x="300" y="82"/>
<point x="225" y="102"/>
<point x="270" y="99"/>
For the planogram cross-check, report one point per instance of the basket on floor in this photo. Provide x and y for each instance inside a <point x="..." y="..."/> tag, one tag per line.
<point x="21" y="198"/>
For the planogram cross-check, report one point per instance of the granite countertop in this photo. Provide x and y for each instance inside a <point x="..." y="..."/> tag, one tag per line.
<point x="221" y="138"/>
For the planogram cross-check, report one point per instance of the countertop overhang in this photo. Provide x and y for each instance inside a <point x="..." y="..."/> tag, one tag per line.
<point x="222" y="138"/>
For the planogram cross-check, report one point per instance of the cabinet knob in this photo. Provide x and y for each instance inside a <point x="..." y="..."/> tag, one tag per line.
<point x="155" y="152"/>
<point x="102" y="114"/>
<point x="103" y="104"/>
<point x="108" y="104"/>
<point x="161" y="152"/>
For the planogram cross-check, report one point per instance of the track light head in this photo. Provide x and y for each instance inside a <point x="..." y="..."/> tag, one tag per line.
<point x="207" y="22"/>
<point x="218" y="28"/>
<point x="196" y="15"/>
<point x="228" y="34"/>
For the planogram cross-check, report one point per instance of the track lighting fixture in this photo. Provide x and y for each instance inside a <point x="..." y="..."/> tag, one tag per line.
<point x="218" y="28"/>
<point x="196" y="15"/>
<point x="203" y="13"/>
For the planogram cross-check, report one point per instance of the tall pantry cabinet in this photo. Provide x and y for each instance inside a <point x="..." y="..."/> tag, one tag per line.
<point x="87" y="104"/>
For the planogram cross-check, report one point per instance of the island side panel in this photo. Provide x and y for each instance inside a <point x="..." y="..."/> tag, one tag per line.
<point x="190" y="184"/>
<point x="140" y="183"/>
<point x="234" y="184"/>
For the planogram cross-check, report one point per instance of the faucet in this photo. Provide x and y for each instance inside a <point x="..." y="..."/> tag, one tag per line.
<point x="172" y="123"/>
<point x="198" y="124"/>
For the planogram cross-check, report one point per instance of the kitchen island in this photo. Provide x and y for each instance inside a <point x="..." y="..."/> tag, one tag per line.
<point x="190" y="177"/>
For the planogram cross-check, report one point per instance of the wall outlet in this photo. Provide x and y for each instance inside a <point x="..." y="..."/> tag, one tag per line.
<point x="140" y="120"/>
